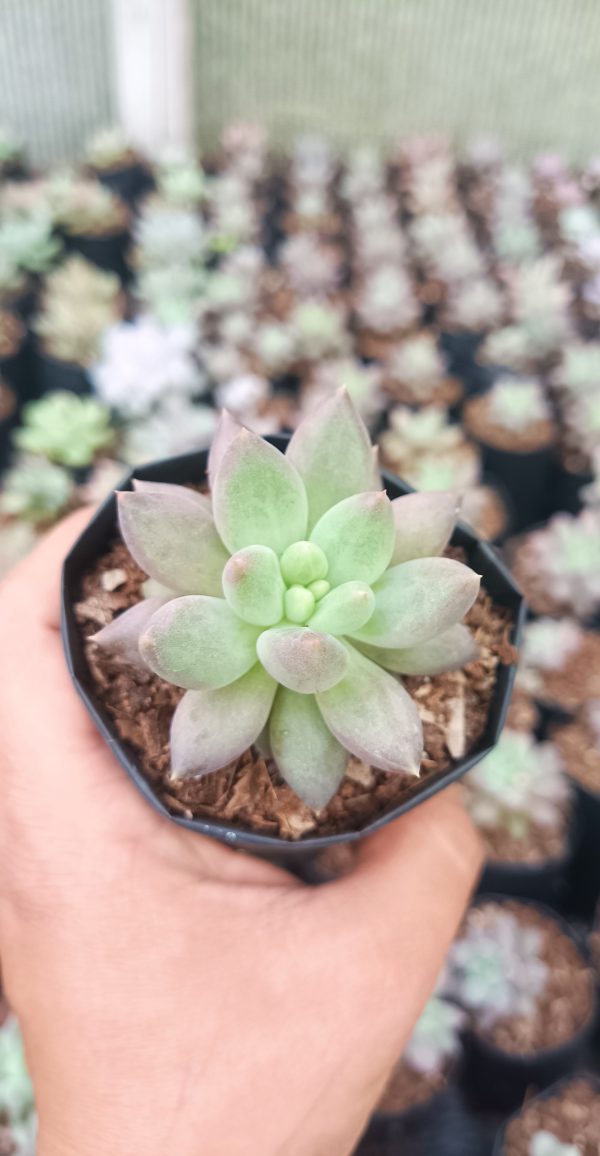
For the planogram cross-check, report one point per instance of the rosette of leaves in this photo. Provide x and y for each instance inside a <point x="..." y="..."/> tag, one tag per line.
<point x="519" y="784"/>
<point x="418" y="364"/>
<point x="436" y="1038"/>
<point x="579" y="369"/>
<point x="548" y="644"/>
<point x="474" y="306"/>
<point x="85" y="208"/>
<point x="540" y="302"/>
<point x="424" y="443"/>
<point x="295" y="597"/>
<point x="109" y="148"/>
<point x="65" y="428"/>
<point x="172" y="293"/>
<point x="273" y="343"/>
<point x="311" y="268"/>
<point x="36" y="491"/>
<point x="445" y="247"/>
<point x="77" y="280"/>
<point x="566" y="554"/>
<point x="319" y="330"/>
<point x="517" y="404"/>
<point x="72" y="331"/>
<point x="495" y="968"/>
<point x="28" y="242"/>
<point x="363" y="383"/>
<point x="165" y="236"/>
<point x="546" y="1144"/>
<point x="386" y="302"/>
<point x="142" y="361"/>
<point x="182" y="184"/>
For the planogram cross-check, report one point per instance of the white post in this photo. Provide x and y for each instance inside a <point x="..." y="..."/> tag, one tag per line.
<point x="153" y="72"/>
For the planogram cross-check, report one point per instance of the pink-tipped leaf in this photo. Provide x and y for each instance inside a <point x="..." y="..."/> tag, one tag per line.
<point x="210" y="728"/>
<point x="451" y="650"/>
<point x="357" y="537"/>
<point x="417" y="600"/>
<point x="258" y="496"/>
<point x="302" y="659"/>
<point x="122" y="635"/>
<point x="198" y="642"/>
<point x="424" y="524"/>
<point x="173" y="538"/>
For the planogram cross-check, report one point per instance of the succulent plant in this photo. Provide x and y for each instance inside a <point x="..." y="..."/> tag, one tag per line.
<point x="84" y="208"/>
<point x="310" y="267"/>
<point x="377" y="246"/>
<point x="431" y="185"/>
<point x="273" y="343"/>
<point x="182" y="184"/>
<point x="245" y="398"/>
<point x="579" y="369"/>
<point x="577" y="223"/>
<point x="223" y="362"/>
<point x="495" y="967"/>
<point x="475" y="305"/>
<point x="175" y="427"/>
<point x="364" y="177"/>
<point x="233" y="214"/>
<point x="565" y="554"/>
<point x="540" y="303"/>
<point x="518" y="784"/>
<point x="511" y="347"/>
<point x="548" y="643"/>
<point x="517" y="403"/>
<point x="16" y="1092"/>
<point x="168" y="236"/>
<point x="582" y="421"/>
<point x="420" y="431"/>
<point x="77" y="280"/>
<point x="108" y="148"/>
<point x="141" y="362"/>
<point x="72" y="330"/>
<point x="363" y="383"/>
<point x="28" y="242"/>
<point x="292" y="597"/>
<point x="386" y="302"/>
<point x="445" y="247"/>
<point x="172" y="293"/>
<point x="436" y="1037"/>
<point x="35" y="490"/>
<point x="546" y="1144"/>
<point x="319" y="330"/>
<point x="417" y="363"/>
<point x="65" y="428"/>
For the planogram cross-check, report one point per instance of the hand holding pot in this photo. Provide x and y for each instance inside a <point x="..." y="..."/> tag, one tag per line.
<point x="176" y="996"/>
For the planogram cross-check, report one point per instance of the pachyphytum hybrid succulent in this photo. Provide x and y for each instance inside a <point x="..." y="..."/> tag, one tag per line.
<point x="445" y="248"/>
<point x="77" y="280"/>
<point x="28" y="242"/>
<point x="35" y="490"/>
<point x="545" y="1144"/>
<point x="274" y="344"/>
<point x="540" y="303"/>
<point x="473" y="306"/>
<point x="319" y="330"/>
<point x="581" y="417"/>
<point x="423" y="431"/>
<point x="579" y="369"/>
<point x="495" y="968"/>
<point x="16" y="1092"/>
<point x="311" y="268"/>
<point x="566" y="554"/>
<point x="246" y="399"/>
<point x="292" y="595"/>
<point x="85" y="208"/>
<point x="182" y="183"/>
<point x="517" y="404"/>
<point x="80" y="302"/>
<point x="175" y="427"/>
<point x="548" y="644"/>
<point x="109" y="148"/>
<point x="436" y="1038"/>
<point x="142" y="361"/>
<point x="418" y="364"/>
<point x="363" y="383"/>
<point x="165" y="235"/>
<point x="172" y="293"/>
<point x="518" y="784"/>
<point x="386" y="302"/>
<point x="511" y="347"/>
<point x="65" y="428"/>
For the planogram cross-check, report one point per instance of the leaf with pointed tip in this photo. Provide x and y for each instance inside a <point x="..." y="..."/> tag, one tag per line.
<point x="332" y="452"/>
<point x="142" y="487"/>
<point x="373" y="716"/>
<point x="122" y="635"/>
<point x="451" y="650"/>
<point x="227" y="429"/>
<point x="417" y="600"/>
<point x="357" y="537"/>
<point x="197" y="642"/>
<point x="258" y="497"/>
<point x="346" y="608"/>
<point x="253" y="585"/>
<point x="172" y="536"/>
<point x="424" y="524"/>
<point x="302" y="659"/>
<point x="210" y="728"/>
<point x="310" y="759"/>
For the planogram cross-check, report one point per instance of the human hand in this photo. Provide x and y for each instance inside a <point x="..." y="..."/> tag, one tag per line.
<point x="176" y="996"/>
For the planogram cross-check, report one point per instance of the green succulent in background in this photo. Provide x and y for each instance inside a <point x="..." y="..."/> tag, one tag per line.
<point x="72" y="331"/>
<point x="495" y="968"/>
<point x="108" y="148"/>
<point x="172" y="293"/>
<point x="77" y="280"/>
<point x="65" y="428"/>
<point x="518" y="403"/>
<point x="518" y="784"/>
<point x="84" y="207"/>
<point x="436" y="1037"/>
<point x="36" y="490"/>
<point x="28" y="242"/>
<point x="182" y="184"/>
<point x="293" y="600"/>
<point x="545" y="1144"/>
<point x="579" y="369"/>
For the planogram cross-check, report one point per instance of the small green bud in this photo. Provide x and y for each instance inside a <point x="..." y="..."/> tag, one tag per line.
<point x="319" y="588"/>
<point x="299" y="604"/>
<point x="303" y="562"/>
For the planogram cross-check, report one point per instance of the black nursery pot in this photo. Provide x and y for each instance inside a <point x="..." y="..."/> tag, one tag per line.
<point x="107" y="252"/>
<point x="584" y="878"/>
<point x="51" y="374"/>
<point x="567" y="486"/>
<point x="494" y="1080"/>
<point x="527" y="477"/>
<point x="461" y="352"/>
<point x="546" y="882"/>
<point x="130" y="183"/>
<point x="394" y="1131"/>
<point x="191" y="469"/>
<point x="549" y="1094"/>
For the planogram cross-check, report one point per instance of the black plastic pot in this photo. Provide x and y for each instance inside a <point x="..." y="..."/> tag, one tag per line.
<point x="548" y="1094"/>
<point x="106" y="252"/>
<point x="51" y="374"/>
<point x="567" y="486"/>
<point x="191" y="468"/>
<point x="17" y="371"/>
<point x="494" y="1080"/>
<point x="130" y="183"/>
<point x="393" y="1131"/>
<point x="584" y="875"/>
<point x="461" y="351"/>
<point x="546" y="882"/>
<point x="527" y="477"/>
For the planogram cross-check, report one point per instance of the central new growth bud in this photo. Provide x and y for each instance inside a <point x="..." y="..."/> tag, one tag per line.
<point x="303" y="563"/>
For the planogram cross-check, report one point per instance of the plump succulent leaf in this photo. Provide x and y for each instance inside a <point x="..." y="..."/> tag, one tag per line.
<point x="253" y="585"/>
<point x="122" y="635"/>
<point x="172" y="536"/>
<point x="197" y="641"/>
<point x="372" y="716"/>
<point x="302" y="659"/>
<point x="357" y="536"/>
<point x="227" y="429"/>
<point x="417" y="600"/>
<point x="333" y="455"/>
<point x="144" y="487"/>
<point x="210" y="728"/>
<point x="258" y="497"/>
<point x="450" y="650"/>
<point x="424" y="524"/>
<point x="310" y="759"/>
<point x="346" y="608"/>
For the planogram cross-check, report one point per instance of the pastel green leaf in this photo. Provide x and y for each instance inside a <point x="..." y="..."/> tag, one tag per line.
<point x="173" y="538"/>
<point x="451" y="650"/>
<point x="332" y="452"/>
<point x="302" y="659"/>
<point x="258" y="497"/>
<point x="303" y="563"/>
<point x="198" y="642"/>
<point x="424" y="524"/>
<point x="122" y="635"/>
<point x="210" y="728"/>
<point x="227" y="429"/>
<point x="417" y="600"/>
<point x="143" y="487"/>
<point x="308" y="756"/>
<point x="372" y="716"/>
<point x="253" y="585"/>
<point x="299" y="604"/>
<point x="357" y="536"/>
<point x="345" y="609"/>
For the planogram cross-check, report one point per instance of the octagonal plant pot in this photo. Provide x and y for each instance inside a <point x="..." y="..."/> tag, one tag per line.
<point x="191" y="469"/>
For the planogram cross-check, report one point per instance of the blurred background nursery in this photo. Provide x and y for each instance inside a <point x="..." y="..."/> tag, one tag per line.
<point x="209" y="203"/>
